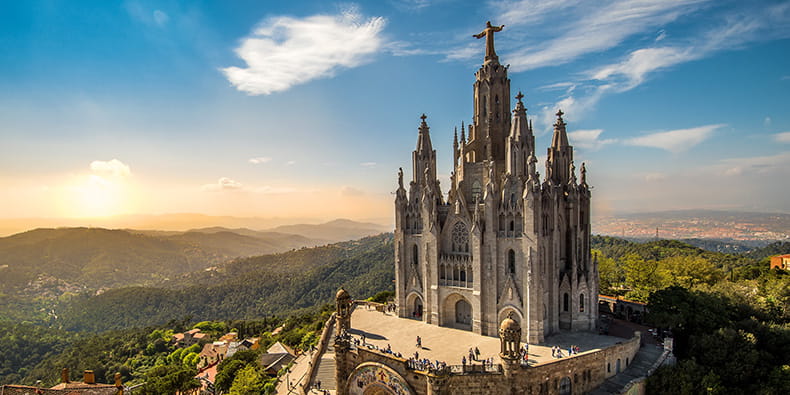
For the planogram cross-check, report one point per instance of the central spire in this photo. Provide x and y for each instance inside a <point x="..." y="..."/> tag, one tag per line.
<point x="488" y="33"/>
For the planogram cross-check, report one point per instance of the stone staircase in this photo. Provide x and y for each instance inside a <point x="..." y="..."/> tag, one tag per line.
<point x="325" y="371"/>
<point x="643" y="361"/>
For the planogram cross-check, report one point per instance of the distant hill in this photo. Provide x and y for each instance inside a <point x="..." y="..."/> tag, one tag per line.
<point x="243" y="288"/>
<point x="337" y="230"/>
<point x="50" y="262"/>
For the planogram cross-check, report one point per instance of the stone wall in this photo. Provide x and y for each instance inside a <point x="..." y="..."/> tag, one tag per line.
<point x="570" y="375"/>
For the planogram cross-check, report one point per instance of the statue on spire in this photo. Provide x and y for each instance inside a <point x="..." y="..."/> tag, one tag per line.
<point x="488" y="33"/>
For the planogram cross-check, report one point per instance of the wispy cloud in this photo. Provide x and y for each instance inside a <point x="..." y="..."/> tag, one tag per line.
<point x="655" y="177"/>
<point x="757" y="164"/>
<point x="160" y="17"/>
<point x="285" y="51"/>
<point x="351" y="191"/>
<point x="578" y="28"/>
<point x="224" y="183"/>
<point x="260" y="160"/>
<point x="675" y="140"/>
<point x="783" y="137"/>
<point x="110" y="168"/>
<point x="589" y="139"/>
<point x="368" y="164"/>
<point x="547" y="33"/>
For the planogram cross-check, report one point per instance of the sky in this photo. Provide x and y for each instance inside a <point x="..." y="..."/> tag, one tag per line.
<point x="308" y="108"/>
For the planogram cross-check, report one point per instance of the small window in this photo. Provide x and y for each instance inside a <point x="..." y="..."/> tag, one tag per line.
<point x="512" y="226"/>
<point x="608" y="367"/>
<point x="565" y="302"/>
<point x="415" y="259"/>
<point x="511" y="262"/>
<point x="581" y="303"/>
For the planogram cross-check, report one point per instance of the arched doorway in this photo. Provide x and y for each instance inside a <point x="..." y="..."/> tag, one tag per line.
<point x="463" y="313"/>
<point x="415" y="306"/>
<point x="456" y="312"/>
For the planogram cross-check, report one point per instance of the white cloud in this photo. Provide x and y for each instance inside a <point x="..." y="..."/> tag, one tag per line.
<point x="285" y="51"/>
<point x="290" y="163"/>
<point x="653" y="177"/>
<point x="581" y="27"/>
<point x="589" y="139"/>
<point x="351" y="191"/>
<point x="160" y="17"/>
<point x="767" y="122"/>
<point x="757" y="164"/>
<point x="111" y="168"/>
<point x="596" y="27"/>
<point x="224" y="183"/>
<point x="368" y="164"/>
<point x="260" y="160"/>
<point x="270" y="190"/>
<point x="783" y="137"/>
<point x="662" y="34"/>
<point x="675" y="140"/>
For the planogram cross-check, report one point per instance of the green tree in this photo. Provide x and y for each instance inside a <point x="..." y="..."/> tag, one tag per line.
<point x="611" y="276"/>
<point x="169" y="379"/>
<point x="248" y="381"/>
<point x="688" y="271"/>
<point x="640" y="277"/>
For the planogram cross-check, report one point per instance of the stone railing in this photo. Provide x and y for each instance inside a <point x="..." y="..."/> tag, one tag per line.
<point x="326" y="333"/>
<point x="475" y="368"/>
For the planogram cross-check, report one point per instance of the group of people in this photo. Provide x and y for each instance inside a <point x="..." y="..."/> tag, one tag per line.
<point x="556" y="351"/>
<point x="415" y="363"/>
<point x="474" y="355"/>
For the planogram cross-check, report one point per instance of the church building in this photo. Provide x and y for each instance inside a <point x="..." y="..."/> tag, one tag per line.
<point x="503" y="241"/>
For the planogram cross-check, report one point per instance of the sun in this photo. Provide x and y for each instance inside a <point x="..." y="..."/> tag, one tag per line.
<point x="94" y="196"/>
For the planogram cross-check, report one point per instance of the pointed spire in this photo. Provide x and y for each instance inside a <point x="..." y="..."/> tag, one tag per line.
<point x="560" y="137"/>
<point x="424" y="139"/>
<point x="520" y="126"/>
<point x="463" y="132"/>
<point x="455" y="136"/>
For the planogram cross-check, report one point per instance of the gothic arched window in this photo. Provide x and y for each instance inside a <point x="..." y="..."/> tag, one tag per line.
<point x="511" y="261"/>
<point x="581" y="303"/>
<point x="415" y="257"/>
<point x="460" y="238"/>
<point x="565" y="302"/>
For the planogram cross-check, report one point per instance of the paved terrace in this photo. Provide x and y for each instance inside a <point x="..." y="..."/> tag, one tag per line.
<point x="450" y="345"/>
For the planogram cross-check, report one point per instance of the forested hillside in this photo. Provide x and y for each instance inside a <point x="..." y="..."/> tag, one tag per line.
<point x="53" y="262"/>
<point x="242" y="289"/>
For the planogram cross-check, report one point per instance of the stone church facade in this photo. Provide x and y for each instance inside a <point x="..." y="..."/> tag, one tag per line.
<point x="503" y="240"/>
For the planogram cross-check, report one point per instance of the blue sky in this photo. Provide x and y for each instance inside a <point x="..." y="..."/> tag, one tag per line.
<point x="308" y="108"/>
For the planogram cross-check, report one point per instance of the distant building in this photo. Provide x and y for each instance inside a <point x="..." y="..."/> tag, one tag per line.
<point x="780" y="262"/>
<point x="622" y="308"/>
<point x="190" y="337"/>
<point x="276" y="357"/>
<point x="88" y="386"/>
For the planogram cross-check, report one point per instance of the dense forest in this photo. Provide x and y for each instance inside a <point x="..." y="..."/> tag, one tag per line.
<point x="57" y="262"/>
<point x="242" y="289"/>
<point x="729" y="314"/>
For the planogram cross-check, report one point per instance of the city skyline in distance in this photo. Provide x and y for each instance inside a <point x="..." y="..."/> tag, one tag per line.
<point x="307" y="110"/>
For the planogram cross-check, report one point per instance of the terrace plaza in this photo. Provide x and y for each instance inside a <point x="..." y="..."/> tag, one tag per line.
<point x="449" y="344"/>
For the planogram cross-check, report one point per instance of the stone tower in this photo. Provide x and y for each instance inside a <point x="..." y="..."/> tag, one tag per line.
<point x="502" y="241"/>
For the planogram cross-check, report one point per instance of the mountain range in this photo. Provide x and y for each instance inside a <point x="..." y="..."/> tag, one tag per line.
<point x="51" y="262"/>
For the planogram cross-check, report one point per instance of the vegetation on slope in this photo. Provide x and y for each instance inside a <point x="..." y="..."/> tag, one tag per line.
<point x="244" y="288"/>
<point x="53" y="262"/>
